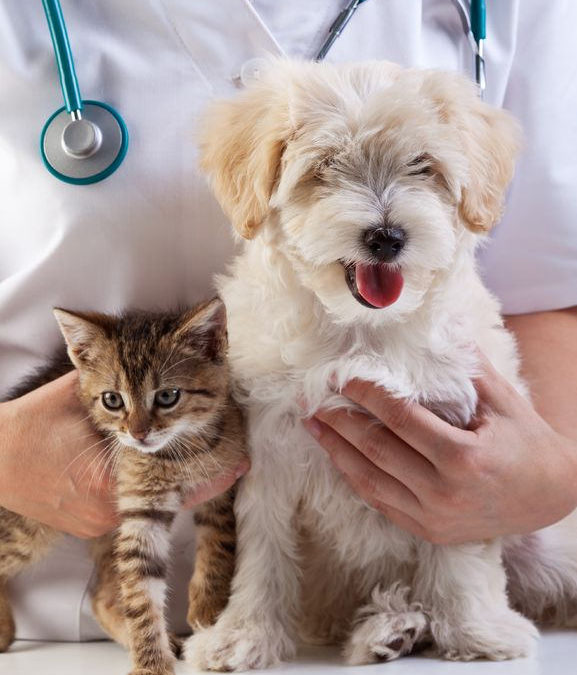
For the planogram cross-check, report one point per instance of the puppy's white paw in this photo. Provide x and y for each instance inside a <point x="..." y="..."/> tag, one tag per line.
<point x="498" y="637"/>
<point x="387" y="628"/>
<point x="229" y="646"/>
<point x="385" y="637"/>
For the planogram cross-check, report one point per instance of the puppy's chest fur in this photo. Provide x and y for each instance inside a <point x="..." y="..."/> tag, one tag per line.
<point x="439" y="376"/>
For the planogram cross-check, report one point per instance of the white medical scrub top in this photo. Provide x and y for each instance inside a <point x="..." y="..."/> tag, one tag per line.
<point x="152" y="236"/>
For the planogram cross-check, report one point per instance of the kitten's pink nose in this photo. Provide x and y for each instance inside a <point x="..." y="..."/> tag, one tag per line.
<point x="139" y="434"/>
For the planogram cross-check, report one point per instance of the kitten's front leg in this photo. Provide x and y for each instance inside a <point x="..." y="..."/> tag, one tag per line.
<point x="23" y="541"/>
<point x="464" y="589"/>
<point x="256" y="628"/>
<point x="214" y="560"/>
<point x="141" y="555"/>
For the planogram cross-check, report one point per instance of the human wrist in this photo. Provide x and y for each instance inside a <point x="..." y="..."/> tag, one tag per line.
<point x="567" y="479"/>
<point x="572" y="455"/>
<point x="5" y="444"/>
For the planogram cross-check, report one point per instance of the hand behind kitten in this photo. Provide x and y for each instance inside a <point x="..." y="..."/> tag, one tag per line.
<point x="73" y="492"/>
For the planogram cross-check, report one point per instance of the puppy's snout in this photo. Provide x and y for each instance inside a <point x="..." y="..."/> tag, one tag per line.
<point x="385" y="243"/>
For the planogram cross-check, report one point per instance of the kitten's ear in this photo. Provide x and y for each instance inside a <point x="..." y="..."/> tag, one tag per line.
<point x="203" y="329"/>
<point x="82" y="332"/>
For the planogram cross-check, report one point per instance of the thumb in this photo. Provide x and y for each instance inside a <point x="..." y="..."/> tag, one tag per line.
<point x="206" y="491"/>
<point x="495" y="392"/>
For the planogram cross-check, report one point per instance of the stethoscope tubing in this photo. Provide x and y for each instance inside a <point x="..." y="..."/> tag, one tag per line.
<point x="337" y="27"/>
<point x="473" y="17"/>
<point x="63" y="54"/>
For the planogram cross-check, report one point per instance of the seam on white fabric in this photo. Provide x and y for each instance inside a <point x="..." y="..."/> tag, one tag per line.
<point x="87" y="586"/>
<point x="168" y="18"/>
<point x="256" y="16"/>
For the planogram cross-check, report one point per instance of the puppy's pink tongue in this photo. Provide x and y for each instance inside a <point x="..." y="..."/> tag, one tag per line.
<point x="379" y="284"/>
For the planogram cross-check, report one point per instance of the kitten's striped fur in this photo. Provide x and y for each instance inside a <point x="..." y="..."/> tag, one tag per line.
<point x="199" y="439"/>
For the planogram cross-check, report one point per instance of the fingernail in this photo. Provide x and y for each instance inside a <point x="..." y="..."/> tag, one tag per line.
<point x="241" y="469"/>
<point x="313" y="427"/>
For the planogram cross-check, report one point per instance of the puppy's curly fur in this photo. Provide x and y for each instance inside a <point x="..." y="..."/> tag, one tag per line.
<point x="305" y="162"/>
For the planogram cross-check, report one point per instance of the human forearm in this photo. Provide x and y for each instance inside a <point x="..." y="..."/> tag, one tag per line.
<point x="548" y="345"/>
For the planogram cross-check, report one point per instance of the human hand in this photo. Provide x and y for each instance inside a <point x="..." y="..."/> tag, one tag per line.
<point x="54" y="467"/>
<point x="510" y="473"/>
<point x="207" y="491"/>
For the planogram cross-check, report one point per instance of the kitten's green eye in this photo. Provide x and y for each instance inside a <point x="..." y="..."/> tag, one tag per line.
<point x="112" y="400"/>
<point x="166" y="398"/>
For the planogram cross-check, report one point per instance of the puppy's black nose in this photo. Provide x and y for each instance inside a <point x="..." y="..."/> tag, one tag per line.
<point x="385" y="243"/>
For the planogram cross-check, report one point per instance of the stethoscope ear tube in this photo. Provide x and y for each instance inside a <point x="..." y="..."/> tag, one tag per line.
<point x="473" y="19"/>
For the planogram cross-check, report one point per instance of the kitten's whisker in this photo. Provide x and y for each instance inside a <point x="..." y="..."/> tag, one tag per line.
<point x="167" y="359"/>
<point x="183" y="466"/>
<point x="183" y="457"/>
<point x="109" y="460"/>
<point x="117" y="456"/>
<point x="106" y="438"/>
<point x="102" y="458"/>
<point x="193" y="458"/>
<point x="167" y="370"/>
<point x="83" y="419"/>
<point x="93" y="465"/>
<point x="77" y="457"/>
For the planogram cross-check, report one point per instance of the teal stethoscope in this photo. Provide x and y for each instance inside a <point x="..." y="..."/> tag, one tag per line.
<point x="85" y="141"/>
<point x="472" y="18"/>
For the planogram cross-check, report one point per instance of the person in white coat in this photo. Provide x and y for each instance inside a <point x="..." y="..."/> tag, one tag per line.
<point x="152" y="236"/>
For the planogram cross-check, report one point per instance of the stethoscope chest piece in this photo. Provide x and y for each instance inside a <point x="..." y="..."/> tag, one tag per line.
<point x="84" y="141"/>
<point x="84" y="150"/>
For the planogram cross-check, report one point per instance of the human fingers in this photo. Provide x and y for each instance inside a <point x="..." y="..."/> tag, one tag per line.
<point x="89" y="505"/>
<point x="367" y="480"/>
<point x="495" y="392"/>
<point x="207" y="491"/>
<point x="420" y="428"/>
<point x="85" y="526"/>
<point x="381" y="447"/>
<point x="402" y="520"/>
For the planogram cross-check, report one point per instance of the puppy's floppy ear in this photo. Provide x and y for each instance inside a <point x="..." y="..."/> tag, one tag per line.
<point x="491" y="139"/>
<point x="242" y="141"/>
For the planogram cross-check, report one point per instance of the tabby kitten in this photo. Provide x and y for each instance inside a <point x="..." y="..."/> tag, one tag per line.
<point x="157" y="385"/>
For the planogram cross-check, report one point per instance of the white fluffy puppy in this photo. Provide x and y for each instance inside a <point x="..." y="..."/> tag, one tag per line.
<point x="365" y="190"/>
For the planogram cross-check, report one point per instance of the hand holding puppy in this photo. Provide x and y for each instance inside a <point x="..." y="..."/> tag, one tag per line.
<point x="509" y="473"/>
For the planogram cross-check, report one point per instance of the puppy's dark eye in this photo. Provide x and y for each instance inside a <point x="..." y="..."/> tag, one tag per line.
<point x="112" y="400"/>
<point x="422" y="165"/>
<point x="166" y="398"/>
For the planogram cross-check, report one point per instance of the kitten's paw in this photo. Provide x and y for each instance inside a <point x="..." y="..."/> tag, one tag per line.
<point x="6" y="639"/>
<point x="161" y="666"/>
<point x="230" y="646"/>
<point x="6" y="636"/>
<point x="7" y="627"/>
<point x="386" y="636"/>
<point x="176" y="645"/>
<point x="203" y="608"/>
<point x="496" y="637"/>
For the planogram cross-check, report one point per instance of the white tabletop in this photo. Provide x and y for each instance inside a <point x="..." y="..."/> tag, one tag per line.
<point x="556" y="655"/>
